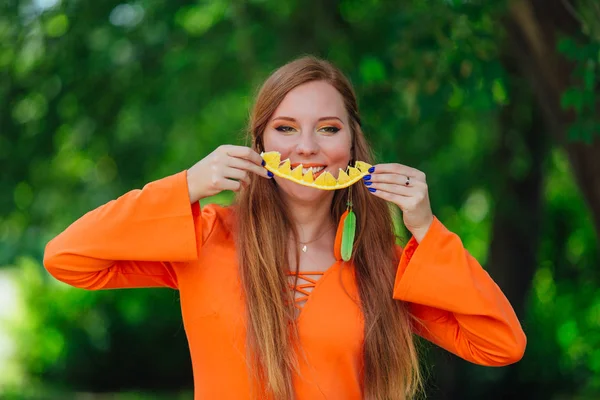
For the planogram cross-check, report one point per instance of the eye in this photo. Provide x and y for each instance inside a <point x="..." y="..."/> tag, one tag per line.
<point x="330" y="129"/>
<point x="284" y="128"/>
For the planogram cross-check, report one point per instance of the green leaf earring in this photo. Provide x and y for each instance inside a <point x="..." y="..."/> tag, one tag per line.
<point x="349" y="230"/>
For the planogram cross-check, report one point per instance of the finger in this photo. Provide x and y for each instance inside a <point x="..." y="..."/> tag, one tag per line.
<point x="244" y="152"/>
<point x="394" y="198"/>
<point x="404" y="202"/>
<point x="246" y="165"/>
<point x="234" y="173"/>
<point x="239" y="175"/>
<point x="245" y="181"/>
<point x="397" y="179"/>
<point x="392" y="188"/>
<point x="228" y="184"/>
<point x="404" y="197"/>
<point x="394" y="168"/>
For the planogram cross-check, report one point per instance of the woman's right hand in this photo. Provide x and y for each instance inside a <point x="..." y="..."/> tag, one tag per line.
<point x="226" y="168"/>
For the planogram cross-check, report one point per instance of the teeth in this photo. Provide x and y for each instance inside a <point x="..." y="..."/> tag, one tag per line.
<point x="314" y="169"/>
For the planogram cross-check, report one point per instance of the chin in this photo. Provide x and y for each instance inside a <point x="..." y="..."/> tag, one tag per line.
<point x="300" y="193"/>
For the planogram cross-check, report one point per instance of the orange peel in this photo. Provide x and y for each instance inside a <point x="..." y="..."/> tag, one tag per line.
<point x="325" y="181"/>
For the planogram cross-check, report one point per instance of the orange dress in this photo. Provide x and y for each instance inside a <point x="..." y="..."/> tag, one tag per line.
<point x="153" y="237"/>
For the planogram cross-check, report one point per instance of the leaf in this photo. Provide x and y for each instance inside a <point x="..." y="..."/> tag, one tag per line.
<point x="348" y="236"/>
<point x="57" y="25"/>
<point x="574" y="132"/>
<point x="372" y="70"/>
<point x="568" y="47"/>
<point x="197" y="20"/>
<point x="589" y="76"/>
<point x="572" y="97"/>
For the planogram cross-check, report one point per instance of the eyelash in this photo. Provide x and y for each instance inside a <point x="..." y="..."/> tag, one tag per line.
<point x="284" y="128"/>
<point x="333" y="129"/>
<point x="288" y="129"/>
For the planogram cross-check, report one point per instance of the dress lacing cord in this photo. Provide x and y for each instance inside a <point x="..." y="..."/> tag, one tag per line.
<point x="304" y="289"/>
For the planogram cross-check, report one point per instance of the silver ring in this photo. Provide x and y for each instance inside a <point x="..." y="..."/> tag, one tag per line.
<point x="407" y="181"/>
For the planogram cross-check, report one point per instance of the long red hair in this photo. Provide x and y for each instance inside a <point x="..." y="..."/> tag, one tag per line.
<point x="391" y="367"/>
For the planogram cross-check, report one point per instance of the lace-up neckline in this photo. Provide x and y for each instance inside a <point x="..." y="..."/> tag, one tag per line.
<point x="307" y="280"/>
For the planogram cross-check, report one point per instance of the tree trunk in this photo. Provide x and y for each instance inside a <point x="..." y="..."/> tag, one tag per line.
<point x="515" y="236"/>
<point x="517" y="219"/>
<point x="534" y="27"/>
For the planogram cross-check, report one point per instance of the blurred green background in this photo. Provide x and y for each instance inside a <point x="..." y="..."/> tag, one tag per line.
<point x="495" y="101"/>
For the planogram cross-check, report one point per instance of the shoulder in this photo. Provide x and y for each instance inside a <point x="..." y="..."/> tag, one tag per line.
<point x="215" y="217"/>
<point x="216" y="210"/>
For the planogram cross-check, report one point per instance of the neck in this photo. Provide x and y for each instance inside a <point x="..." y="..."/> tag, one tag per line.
<point x="312" y="218"/>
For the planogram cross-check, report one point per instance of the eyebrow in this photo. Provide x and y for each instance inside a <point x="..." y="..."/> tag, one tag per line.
<point x="320" y="119"/>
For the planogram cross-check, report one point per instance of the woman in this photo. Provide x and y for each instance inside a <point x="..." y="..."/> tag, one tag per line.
<point x="343" y="330"/>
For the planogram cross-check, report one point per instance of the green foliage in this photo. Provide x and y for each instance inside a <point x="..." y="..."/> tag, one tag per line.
<point x="582" y="97"/>
<point x="564" y="301"/>
<point x="101" y="97"/>
<point x="98" y="341"/>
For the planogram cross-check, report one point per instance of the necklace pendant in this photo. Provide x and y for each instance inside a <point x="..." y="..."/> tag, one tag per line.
<point x="304" y="248"/>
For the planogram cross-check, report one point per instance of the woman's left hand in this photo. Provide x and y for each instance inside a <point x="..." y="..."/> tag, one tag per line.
<point x="406" y="187"/>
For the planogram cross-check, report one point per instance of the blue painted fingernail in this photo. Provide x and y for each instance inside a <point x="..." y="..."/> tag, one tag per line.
<point x="368" y="183"/>
<point x="367" y="177"/>
<point x="372" y="190"/>
<point x="270" y="174"/>
<point x="372" y="169"/>
<point x="264" y="163"/>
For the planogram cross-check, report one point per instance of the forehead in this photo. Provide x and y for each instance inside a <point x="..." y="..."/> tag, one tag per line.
<point x="312" y="100"/>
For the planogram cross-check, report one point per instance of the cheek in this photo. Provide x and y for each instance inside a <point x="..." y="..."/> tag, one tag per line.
<point x="267" y="140"/>
<point x="340" y="155"/>
<point x="274" y="142"/>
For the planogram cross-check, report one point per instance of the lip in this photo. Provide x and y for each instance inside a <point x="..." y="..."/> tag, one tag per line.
<point x="307" y="165"/>
<point x="315" y="176"/>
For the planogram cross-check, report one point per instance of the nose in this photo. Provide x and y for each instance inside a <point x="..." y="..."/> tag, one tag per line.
<point x="307" y="144"/>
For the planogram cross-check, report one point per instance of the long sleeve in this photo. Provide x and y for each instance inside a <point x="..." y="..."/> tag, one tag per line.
<point x="132" y="241"/>
<point x="458" y="305"/>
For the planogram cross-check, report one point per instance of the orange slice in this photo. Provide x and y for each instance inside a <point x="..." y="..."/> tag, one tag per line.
<point x="325" y="181"/>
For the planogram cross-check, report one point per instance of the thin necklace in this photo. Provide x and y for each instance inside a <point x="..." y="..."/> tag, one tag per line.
<point x="304" y="247"/>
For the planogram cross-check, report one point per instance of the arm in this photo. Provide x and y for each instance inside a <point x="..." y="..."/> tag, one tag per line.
<point x="135" y="240"/>
<point x="131" y="241"/>
<point x="456" y="303"/>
